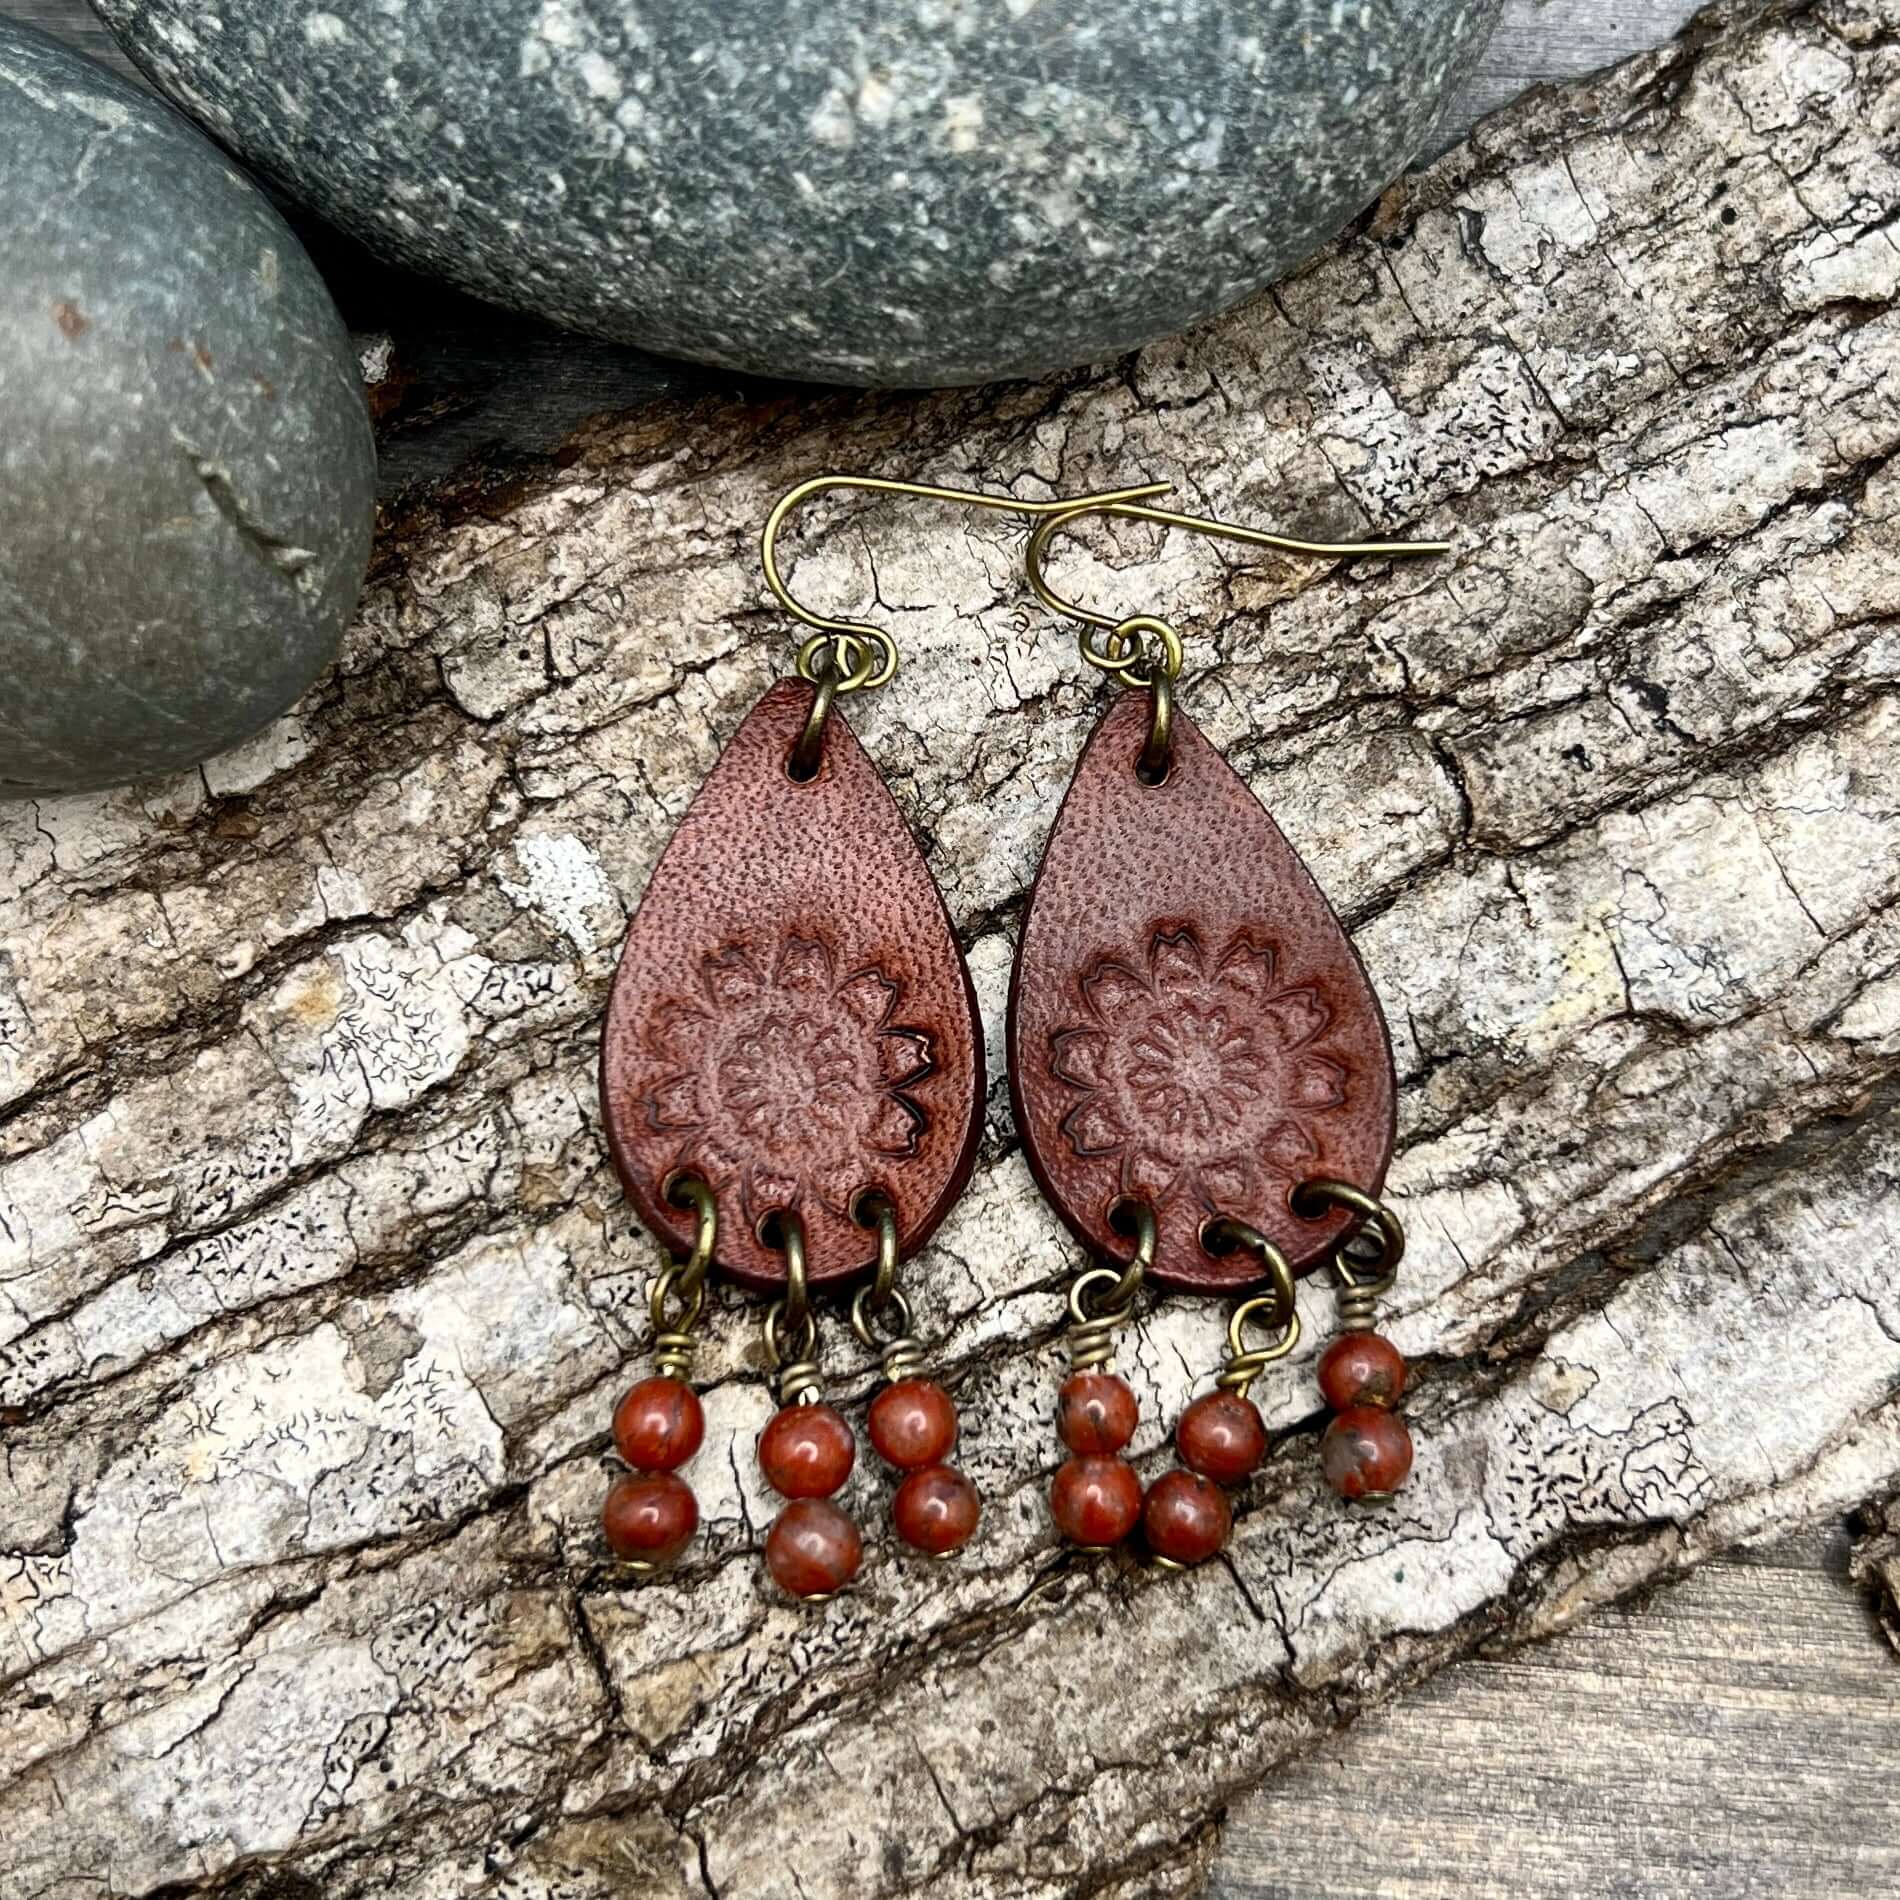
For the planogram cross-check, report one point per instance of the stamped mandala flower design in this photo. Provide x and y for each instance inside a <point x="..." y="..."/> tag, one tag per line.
<point x="788" y="1077"/>
<point x="1200" y="1076"/>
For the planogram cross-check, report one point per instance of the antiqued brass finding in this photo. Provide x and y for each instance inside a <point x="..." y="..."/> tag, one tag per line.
<point x="902" y="1356"/>
<point x="1246" y="1363"/>
<point x="864" y="655"/>
<point x="791" y="1334"/>
<point x="1273" y="1309"/>
<point x="1155" y="757"/>
<point x="1093" y="1321"/>
<point x="1127" y="651"/>
<point x="1379" y="1240"/>
<point x="811" y="740"/>
<point x="1057" y="520"/>
<point x="685" y="1282"/>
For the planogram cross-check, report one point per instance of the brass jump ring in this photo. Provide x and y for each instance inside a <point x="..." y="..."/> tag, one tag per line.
<point x="1132" y="1272"/>
<point x="794" y="1310"/>
<point x="1376" y="1222"/>
<point x="690" y="1191"/>
<point x="810" y="744"/>
<point x="854" y="658"/>
<point x="1155" y="755"/>
<point x="883" y="1287"/>
<point x="1271" y="1258"/>
<point x="1122" y="651"/>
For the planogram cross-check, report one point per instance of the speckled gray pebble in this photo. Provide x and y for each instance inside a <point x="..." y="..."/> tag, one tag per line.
<point x="187" y="477"/>
<point x="855" y="191"/>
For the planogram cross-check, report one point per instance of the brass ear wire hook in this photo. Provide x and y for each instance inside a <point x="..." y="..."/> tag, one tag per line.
<point x="861" y="655"/>
<point x="1129" y="633"/>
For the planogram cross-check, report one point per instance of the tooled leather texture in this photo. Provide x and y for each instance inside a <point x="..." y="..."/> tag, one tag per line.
<point x="792" y="1019"/>
<point x="1189" y="1025"/>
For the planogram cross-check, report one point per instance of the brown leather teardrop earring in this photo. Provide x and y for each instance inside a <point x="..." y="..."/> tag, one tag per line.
<point x="1199" y="1066"/>
<point x="792" y="1086"/>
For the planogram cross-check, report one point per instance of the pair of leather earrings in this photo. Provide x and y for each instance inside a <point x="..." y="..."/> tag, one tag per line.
<point x="792" y="1085"/>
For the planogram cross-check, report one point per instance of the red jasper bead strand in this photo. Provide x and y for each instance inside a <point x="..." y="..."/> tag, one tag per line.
<point x="1221" y="1438"/>
<point x="913" y="1428"/>
<point x="806" y="1451"/>
<point x="1366" y="1452"/>
<point x="650" y="1513"/>
<point x="1096" y="1497"/>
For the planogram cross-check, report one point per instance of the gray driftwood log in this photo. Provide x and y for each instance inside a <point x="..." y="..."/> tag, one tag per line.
<point x="317" y="1290"/>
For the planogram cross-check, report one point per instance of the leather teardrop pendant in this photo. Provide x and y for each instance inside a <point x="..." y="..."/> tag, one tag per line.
<point x="792" y="1020"/>
<point x="1189" y="1025"/>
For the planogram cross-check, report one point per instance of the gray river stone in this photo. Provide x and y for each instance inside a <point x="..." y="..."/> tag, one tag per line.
<point x="853" y="191"/>
<point x="187" y="477"/>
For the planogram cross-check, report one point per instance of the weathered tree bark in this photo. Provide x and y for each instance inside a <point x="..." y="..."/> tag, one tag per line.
<point x="318" y="1288"/>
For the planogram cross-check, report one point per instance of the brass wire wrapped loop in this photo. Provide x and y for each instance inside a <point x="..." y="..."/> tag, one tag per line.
<point x="1091" y="1335"/>
<point x="1366" y="1263"/>
<point x="685" y="1282"/>
<point x="673" y="1340"/>
<point x="1246" y="1363"/>
<point x="902" y="1356"/>
<point x="1273" y="1309"/>
<point x="791" y="1334"/>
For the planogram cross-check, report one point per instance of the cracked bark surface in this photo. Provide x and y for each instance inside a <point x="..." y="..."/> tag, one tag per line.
<point x="316" y="1289"/>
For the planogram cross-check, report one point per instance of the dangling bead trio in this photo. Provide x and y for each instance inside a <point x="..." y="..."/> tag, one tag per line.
<point x="792" y="1087"/>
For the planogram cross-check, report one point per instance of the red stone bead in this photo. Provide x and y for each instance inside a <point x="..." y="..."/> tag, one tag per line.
<point x="658" y="1425"/>
<point x="1222" y="1436"/>
<point x="912" y="1424"/>
<point x="813" y="1548"/>
<point x="1366" y="1453"/>
<point x="650" y="1519"/>
<point x="1185" y="1517"/>
<point x="1361" y="1369"/>
<point x="806" y="1451"/>
<point x="1096" y="1413"/>
<point x="1096" y="1501"/>
<point x="936" y="1509"/>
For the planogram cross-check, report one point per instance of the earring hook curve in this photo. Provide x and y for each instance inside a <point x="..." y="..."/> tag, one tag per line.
<point x="1195" y="524"/>
<point x="842" y="635"/>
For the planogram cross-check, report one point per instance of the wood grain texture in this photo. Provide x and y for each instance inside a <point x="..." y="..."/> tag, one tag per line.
<point x="1732" y="1735"/>
<point x="317" y="1283"/>
<point x="1538" y="41"/>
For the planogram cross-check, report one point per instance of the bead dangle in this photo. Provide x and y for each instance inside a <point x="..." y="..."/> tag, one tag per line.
<point x="1366" y="1453"/>
<point x="806" y="1450"/>
<point x="1221" y="1438"/>
<point x="1096" y="1496"/>
<point x="651" y="1514"/>
<point x="912" y="1422"/>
